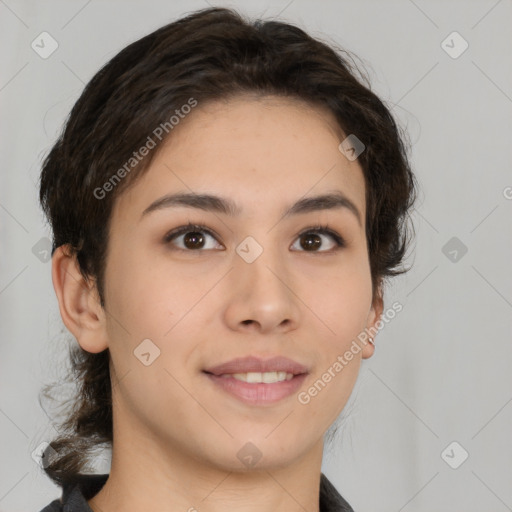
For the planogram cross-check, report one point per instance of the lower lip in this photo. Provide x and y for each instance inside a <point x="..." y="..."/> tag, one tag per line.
<point x="258" y="393"/>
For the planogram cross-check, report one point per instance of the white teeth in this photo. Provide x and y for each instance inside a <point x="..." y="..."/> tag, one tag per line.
<point x="267" y="377"/>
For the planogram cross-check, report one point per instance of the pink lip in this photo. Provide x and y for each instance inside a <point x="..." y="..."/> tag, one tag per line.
<point x="258" y="393"/>
<point x="255" y="364"/>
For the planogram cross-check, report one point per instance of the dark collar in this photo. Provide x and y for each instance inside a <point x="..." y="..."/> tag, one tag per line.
<point x="75" y="495"/>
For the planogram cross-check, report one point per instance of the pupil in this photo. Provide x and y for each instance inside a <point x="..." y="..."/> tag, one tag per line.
<point x="191" y="239"/>
<point x="315" y="243"/>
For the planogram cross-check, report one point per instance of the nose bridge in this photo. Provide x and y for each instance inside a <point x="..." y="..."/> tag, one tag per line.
<point x="259" y="284"/>
<point x="262" y="259"/>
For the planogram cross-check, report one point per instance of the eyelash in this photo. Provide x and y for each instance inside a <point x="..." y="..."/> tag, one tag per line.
<point x="323" y="229"/>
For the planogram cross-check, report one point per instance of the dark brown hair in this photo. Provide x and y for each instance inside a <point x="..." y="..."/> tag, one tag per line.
<point x="208" y="55"/>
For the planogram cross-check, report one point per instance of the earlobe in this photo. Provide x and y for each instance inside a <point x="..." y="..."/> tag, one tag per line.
<point x="79" y="304"/>
<point x="373" y="318"/>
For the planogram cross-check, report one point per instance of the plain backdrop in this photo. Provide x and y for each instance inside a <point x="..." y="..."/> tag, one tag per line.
<point x="428" y="426"/>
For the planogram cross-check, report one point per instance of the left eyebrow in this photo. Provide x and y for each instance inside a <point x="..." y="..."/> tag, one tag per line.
<point x="212" y="203"/>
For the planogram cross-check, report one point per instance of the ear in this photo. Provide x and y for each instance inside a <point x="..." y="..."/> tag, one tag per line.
<point x="79" y="302"/>
<point x="374" y="316"/>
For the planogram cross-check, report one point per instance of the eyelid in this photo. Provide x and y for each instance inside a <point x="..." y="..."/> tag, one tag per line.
<point x="327" y="230"/>
<point x="320" y="228"/>
<point x="186" y="228"/>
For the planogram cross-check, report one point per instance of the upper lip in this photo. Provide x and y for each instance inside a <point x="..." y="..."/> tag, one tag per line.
<point x="258" y="365"/>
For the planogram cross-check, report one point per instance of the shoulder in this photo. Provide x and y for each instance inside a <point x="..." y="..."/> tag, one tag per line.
<point x="76" y="493"/>
<point x="54" y="506"/>
<point x="330" y="499"/>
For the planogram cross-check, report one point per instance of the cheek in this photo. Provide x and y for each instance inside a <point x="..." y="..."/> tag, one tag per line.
<point x="141" y="291"/>
<point x="341" y="308"/>
<point x="157" y="302"/>
<point x="136" y="311"/>
<point x="341" y="301"/>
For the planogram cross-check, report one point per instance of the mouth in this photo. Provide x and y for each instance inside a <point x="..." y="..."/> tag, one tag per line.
<point x="257" y="392"/>
<point x="256" y="381"/>
<point x="258" y="377"/>
<point x="255" y="365"/>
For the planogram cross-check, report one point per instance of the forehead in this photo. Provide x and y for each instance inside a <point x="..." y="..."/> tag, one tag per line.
<point x="260" y="152"/>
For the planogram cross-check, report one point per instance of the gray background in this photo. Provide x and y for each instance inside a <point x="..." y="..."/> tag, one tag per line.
<point x="441" y="371"/>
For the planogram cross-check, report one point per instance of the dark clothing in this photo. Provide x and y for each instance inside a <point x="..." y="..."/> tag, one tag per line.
<point x="74" y="497"/>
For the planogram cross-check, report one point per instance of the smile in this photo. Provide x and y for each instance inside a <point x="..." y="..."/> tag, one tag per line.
<point x="258" y="388"/>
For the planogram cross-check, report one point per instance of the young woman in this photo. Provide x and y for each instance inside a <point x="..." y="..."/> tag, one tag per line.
<point x="227" y="200"/>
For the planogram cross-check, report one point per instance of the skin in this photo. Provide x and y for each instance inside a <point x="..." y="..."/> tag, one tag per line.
<point x="176" y="435"/>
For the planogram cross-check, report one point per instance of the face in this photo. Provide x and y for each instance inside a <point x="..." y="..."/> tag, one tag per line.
<point x="251" y="283"/>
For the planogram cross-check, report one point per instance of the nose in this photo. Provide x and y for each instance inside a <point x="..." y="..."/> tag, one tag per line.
<point x="260" y="295"/>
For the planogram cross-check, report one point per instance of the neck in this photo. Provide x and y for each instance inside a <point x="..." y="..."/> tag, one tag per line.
<point x="153" y="474"/>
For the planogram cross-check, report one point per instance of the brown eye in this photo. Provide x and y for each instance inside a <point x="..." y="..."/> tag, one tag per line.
<point x="311" y="240"/>
<point x="193" y="238"/>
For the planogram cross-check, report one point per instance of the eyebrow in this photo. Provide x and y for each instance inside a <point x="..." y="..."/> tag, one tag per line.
<point x="212" y="203"/>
